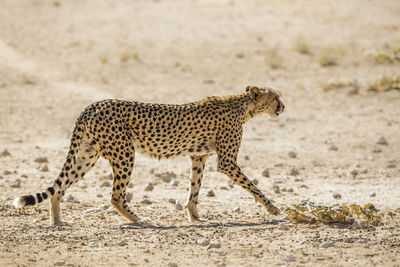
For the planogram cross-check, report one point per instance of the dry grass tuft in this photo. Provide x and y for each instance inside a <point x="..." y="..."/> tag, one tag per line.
<point x="336" y="84"/>
<point x="386" y="84"/>
<point x="272" y="58"/>
<point x="330" y="56"/>
<point x="301" y="46"/>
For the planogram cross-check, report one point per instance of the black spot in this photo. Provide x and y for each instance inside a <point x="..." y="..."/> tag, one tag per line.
<point x="29" y="200"/>
<point x="39" y="197"/>
<point x="44" y="195"/>
<point x="51" y="190"/>
<point x="58" y="182"/>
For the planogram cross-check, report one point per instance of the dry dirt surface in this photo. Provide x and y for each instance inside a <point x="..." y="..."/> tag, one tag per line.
<point x="333" y="62"/>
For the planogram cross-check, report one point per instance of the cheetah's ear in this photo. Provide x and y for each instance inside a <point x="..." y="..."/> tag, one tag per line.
<point x="254" y="92"/>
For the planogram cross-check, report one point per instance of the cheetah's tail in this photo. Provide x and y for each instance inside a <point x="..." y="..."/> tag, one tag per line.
<point x="31" y="200"/>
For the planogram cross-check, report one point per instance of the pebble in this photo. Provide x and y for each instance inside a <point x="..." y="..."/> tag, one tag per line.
<point x="283" y="226"/>
<point x="373" y="194"/>
<point x="290" y="257"/>
<point x="6" y="172"/>
<point x="327" y="244"/>
<point x="174" y="183"/>
<point x="41" y="160"/>
<point x="255" y="181"/>
<point x="225" y="212"/>
<point x="59" y="263"/>
<point x="16" y="184"/>
<point x="71" y="199"/>
<point x="103" y="207"/>
<point x="333" y="148"/>
<point x="203" y="242"/>
<point x="146" y="201"/>
<point x="377" y="150"/>
<point x="218" y="251"/>
<point x="129" y="196"/>
<point x="337" y="196"/>
<point x="391" y="166"/>
<point x="149" y="187"/>
<point x="290" y="190"/>
<point x="172" y="200"/>
<point x="105" y="184"/>
<point x="224" y="188"/>
<point x="276" y="189"/>
<point x="294" y="171"/>
<point x="44" y="168"/>
<point x="211" y="193"/>
<point x="246" y="157"/>
<point x="172" y="264"/>
<point x="93" y="245"/>
<point x="99" y="195"/>
<point x="178" y="205"/>
<point x="122" y="243"/>
<point x="214" y="244"/>
<point x="362" y="240"/>
<point x="5" y="153"/>
<point x="265" y="173"/>
<point x="353" y="172"/>
<point x="292" y="154"/>
<point x="382" y="141"/>
<point x="237" y="209"/>
<point x="298" y="179"/>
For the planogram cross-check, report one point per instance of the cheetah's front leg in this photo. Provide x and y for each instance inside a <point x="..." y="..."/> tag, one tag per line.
<point x="198" y="163"/>
<point x="233" y="171"/>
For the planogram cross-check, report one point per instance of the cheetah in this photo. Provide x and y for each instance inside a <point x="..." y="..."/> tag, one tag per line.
<point x="116" y="129"/>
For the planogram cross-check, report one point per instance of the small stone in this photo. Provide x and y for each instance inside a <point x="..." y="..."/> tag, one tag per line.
<point x="237" y="209"/>
<point x="172" y="200"/>
<point x="290" y="257"/>
<point x="203" y="242"/>
<point x="108" y="176"/>
<point x="382" y="141"/>
<point x="44" y="168"/>
<point x="337" y="196"/>
<point x="59" y="263"/>
<point x="298" y="179"/>
<point x="265" y="173"/>
<point x="174" y="183"/>
<point x="224" y="188"/>
<point x="327" y="244"/>
<point x="149" y="187"/>
<point x="41" y="160"/>
<point x="377" y="150"/>
<point x="255" y="181"/>
<point x="353" y="172"/>
<point x="225" y="212"/>
<point x="333" y="147"/>
<point x="17" y="140"/>
<point x="172" y="264"/>
<point x="146" y="201"/>
<point x="70" y="198"/>
<point x="290" y="190"/>
<point x="362" y="240"/>
<point x="99" y="195"/>
<point x="5" y="153"/>
<point x="292" y="154"/>
<point x="294" y="171"/>
<point x="214" y="244"/>
<point x="105" y="184"/>
<point x="283" y="226"/>
<point x="211" y="193"/>
<point x="16" y="184"/>
<point x="353" y="90"/>
<point x="129" y="196"/>
<point x="83" y="186"/>
<point x="122" y="243"/>
<point x="373" y="194"/>
<point x="246" y="157"/>
<point x="276" y="189"/>
<point x="93" y="245"/>
<point x="178" y="205"/>
<point x="391" y="166"/>
<point x="6" y="172"/>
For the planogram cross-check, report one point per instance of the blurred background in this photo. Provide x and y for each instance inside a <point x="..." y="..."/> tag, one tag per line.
<point x="336" y="64"/>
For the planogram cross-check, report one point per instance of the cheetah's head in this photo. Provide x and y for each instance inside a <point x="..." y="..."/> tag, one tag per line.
<point x="266" y="100"/>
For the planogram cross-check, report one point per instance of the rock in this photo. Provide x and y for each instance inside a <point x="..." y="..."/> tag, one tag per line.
<point x="327" y="244"/>
<point x="373" y="194"/>
<point x="219" y="252"/>
<point x="377" y="150"/>
<point x="290" y="257"/>
<point x="292" y="154"/>
<point x="172" y="200"/>
<point x="166" y="176"/>
<point x="391" y="166"/>
<point x="224" y="188"/>
<point x="105" y="184"/>
<point x="70" y="198"/>
<point x="172" y="264"/>
<point x="276" y="189"/>
<point x="146" y="201"/>
<point x="44" y="168"/>
<point x="254" y="181"/>
<point x="59" y="263"/>
<point x="178" y="205"/>
<point x="99" y="195"/>
<point x="237" y="209"/>
<point x="283" y="226"/>
<point x="5" y="153"/>
<point x="246" y="157"/>
<point x="203" y="242"/>
<point x="265" y="173"/>
<point x="294" y="171"/>
<point x="382" y="141"/>
<point x="129" y="196"/>
<point x="122" y="243"/>
<point x="333" y="147"/>
<point x="225" y="212"/>
<point x="149" y="187"/>
<point x="41" y="160"/>
<point x="290" y="190"/>
<point x="214" y="244"/>
<point x="298" y="179"/>
<point x="174" y="183"/>
<point x="93" y="245"/>
<point x="16" y="184"/>
<point x="211" y="193"/>
<point x="337" y="196"/>
<point x="353" y="173"/>
<point x="6" y="172"/>
<point x="90" y="210"/>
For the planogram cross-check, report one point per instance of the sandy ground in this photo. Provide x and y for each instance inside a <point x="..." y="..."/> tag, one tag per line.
<point x="56" y="57"/>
